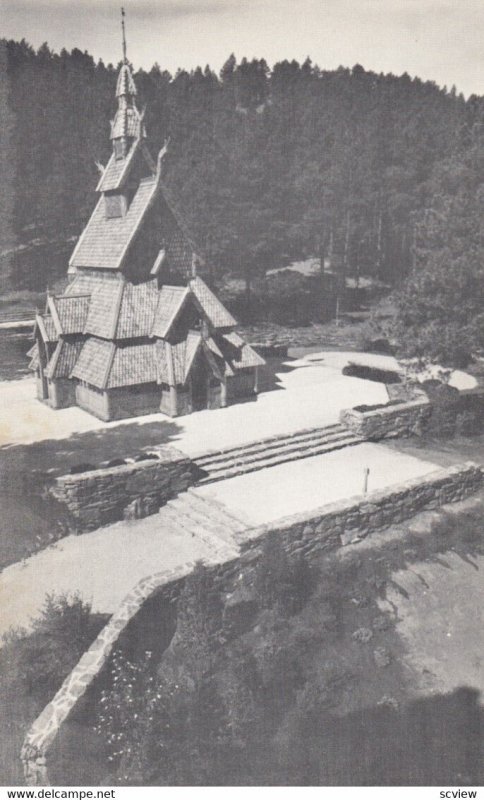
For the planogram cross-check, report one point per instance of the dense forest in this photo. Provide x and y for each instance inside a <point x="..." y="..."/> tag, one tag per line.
<point x="381" y="175"/>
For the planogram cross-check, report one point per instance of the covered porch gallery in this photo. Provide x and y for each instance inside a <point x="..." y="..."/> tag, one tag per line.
<point x="176" y="380"/>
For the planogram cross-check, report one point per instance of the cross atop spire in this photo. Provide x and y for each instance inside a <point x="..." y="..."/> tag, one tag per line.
<point x="125" y="60"/>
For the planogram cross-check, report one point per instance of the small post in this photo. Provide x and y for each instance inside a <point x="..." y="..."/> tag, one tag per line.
<point x="366" y="473"/>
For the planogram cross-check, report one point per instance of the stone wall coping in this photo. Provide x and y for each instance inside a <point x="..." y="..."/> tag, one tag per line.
<point x="359" y="501"/>
<point x="386" y="410"/>
<point x="165" y="455"/>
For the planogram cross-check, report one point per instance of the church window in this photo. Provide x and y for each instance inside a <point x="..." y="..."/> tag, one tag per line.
<point x="118" y="149"/>
<point x="114" y="205"/>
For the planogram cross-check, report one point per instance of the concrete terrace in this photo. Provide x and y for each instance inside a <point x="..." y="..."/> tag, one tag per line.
<point x="311" y="392"/>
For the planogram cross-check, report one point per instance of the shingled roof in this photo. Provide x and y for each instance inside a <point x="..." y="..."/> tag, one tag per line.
<point x="85" y="281"/>
<point x="33" y="354"/>
<point x="106" y="366"/>
<point x="170" y="302"/>
<point x="63" y="359"/>
<point x="215" y="312"/>
<point x="94" y="362"/>
<point x="45" y="324"/>
<point x="116" y="171"/>
<point x="105" y="242"/>
<point x="243" y="356"/>
<point x="194" y="341"/>
<point x="133" y="365"/>
<point x="102" y="318"/>
<point x="137" y="310"/>
<point x="69" y="312"/>
<point x="170" y="362"/>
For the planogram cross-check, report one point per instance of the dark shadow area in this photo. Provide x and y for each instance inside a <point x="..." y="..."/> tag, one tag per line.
<point x="14" y="345"/>
<point x="429" y="742"/>
<point x="31" y="518"/>
<point x="79" y="756"/>
<point x="269" y="380"/>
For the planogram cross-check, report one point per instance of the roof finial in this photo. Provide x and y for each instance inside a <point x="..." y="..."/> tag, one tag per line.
<point x="125" y="60"/>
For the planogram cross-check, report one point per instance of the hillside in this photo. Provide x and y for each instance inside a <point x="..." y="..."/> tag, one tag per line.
<point x="265" y="164"/>
<point x="380" y="175"/>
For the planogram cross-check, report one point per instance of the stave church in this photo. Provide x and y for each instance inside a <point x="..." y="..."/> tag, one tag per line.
<point x="137" y="330"/>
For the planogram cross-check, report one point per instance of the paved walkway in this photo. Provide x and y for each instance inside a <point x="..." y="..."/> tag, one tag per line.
<point x="311" y="393"/>
<point x="102" y="566"/>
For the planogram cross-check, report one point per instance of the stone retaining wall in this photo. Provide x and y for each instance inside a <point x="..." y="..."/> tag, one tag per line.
<point x="306" y="534"/>
<point x="399" y="419"/>
<point x="340" y="523"/>
<point x="100" y="496"/>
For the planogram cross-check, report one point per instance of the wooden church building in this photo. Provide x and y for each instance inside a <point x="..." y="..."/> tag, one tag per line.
<point x="137" y="330"/>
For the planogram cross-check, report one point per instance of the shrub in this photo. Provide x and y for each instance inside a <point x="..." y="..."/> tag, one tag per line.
<point x="444" y="400"/>
<point x="368" y="373"/>
<point x="39" y="661"/>
<point x="280" y="582"/>
<point x="468" y="423"/>
<point x="376" y="345"/>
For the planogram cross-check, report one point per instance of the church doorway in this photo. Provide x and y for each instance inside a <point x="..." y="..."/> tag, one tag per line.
<point x="199" y="380"/>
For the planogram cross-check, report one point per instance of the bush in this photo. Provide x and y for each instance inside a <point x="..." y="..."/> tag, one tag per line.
<point x="368" y="373"/>
<point x="468" y="423"/>
<point x="445" y="401"/>
<point x="39" y="661"/>
<point x="378" y="345"/>
<point x="282" y="583"/>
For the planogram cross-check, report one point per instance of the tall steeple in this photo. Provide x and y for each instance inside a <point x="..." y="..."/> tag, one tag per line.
<point x="127" y="125"/>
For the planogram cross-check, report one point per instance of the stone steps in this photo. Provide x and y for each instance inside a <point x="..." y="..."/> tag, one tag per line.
<point x="205" y="519"/>
<point x="263" y="445"/>
<point x="271" y="452"/>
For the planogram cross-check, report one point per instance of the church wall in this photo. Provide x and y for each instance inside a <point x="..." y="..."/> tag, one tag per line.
<point x="93" y="400"/>
<point x="62" y="393"/>
<point x="243" y="384"/>
<point x="214" y="398"/>
<point x="183" y="400"/>
<point x="134" y="401"/>
<point x="39" y="385"/>
<point x="166" y="403"/>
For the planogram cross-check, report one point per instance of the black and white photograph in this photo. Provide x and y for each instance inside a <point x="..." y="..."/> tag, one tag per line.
<point x="242" y="396"/>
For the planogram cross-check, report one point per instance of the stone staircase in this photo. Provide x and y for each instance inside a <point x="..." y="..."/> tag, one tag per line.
<point x="206" y="519"/>
<point x="219" y="465"/>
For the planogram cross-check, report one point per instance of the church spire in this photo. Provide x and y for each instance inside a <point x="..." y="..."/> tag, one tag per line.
<point x="125" y="60"/>
<point x="127" y="125"/>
